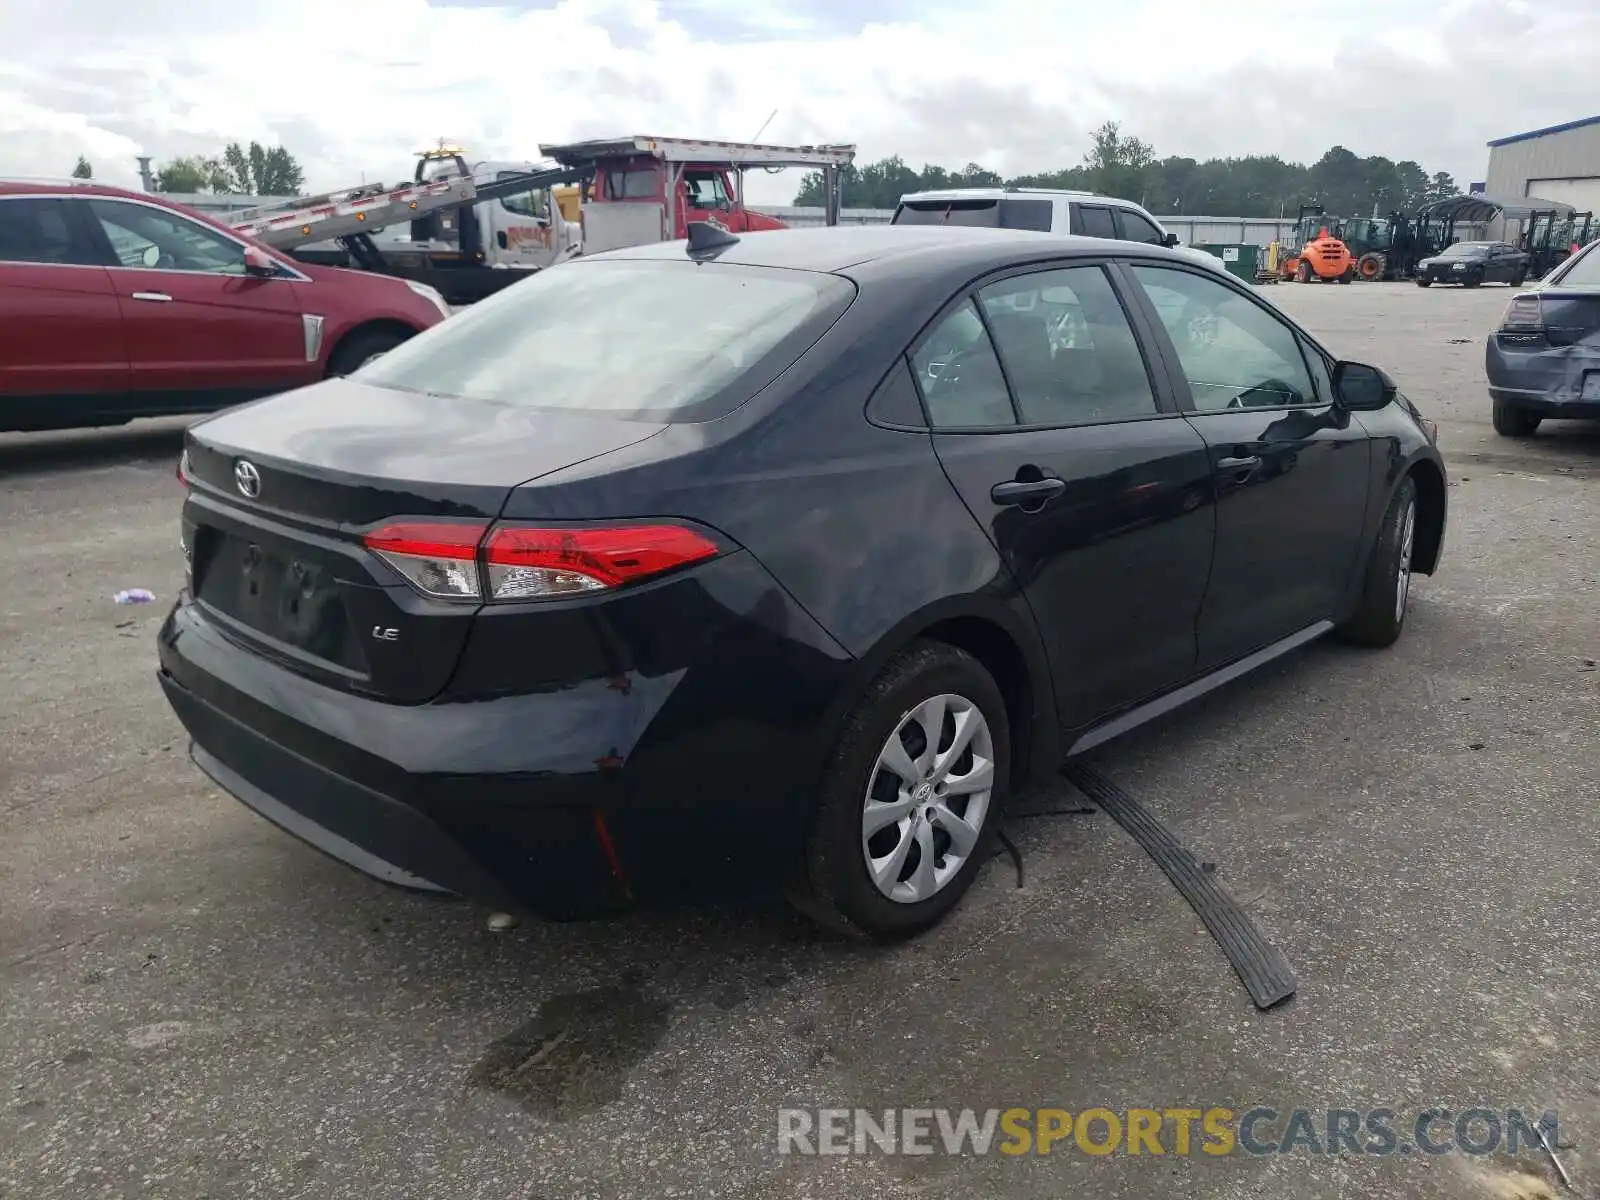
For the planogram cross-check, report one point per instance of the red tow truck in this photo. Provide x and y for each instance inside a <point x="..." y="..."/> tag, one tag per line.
<point x="647" y="189"/>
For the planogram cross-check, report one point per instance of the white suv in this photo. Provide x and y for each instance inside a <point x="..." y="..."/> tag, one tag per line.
<point x="1047" y="210"/>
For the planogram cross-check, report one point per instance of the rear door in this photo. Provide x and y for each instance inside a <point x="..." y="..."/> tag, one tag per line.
<point x="1291" y="470"/>
<point x="1097" y="495"/>
<point x="62" y="327"/>
<point x="194" y="321"/>
<point x="1093" y="220"/>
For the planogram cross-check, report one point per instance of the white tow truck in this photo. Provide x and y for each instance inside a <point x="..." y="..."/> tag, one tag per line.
<point x="466" y="229"/>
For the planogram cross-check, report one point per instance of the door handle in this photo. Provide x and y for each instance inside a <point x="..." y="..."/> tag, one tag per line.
<point x="1027" y="491"/>
<point x="1247" y="463"/>
<point x="160" y="297"/>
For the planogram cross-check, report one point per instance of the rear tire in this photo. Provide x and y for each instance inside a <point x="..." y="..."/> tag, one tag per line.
<point x="1519" y="278"/>
<point x="1349" y="274"/>
<point x="1385" y="593"/>
<point x="360" y="348"/>
<point x="1302" y="273"/>
<point x="836" y="887"/>
<point x="1513" y="422"/>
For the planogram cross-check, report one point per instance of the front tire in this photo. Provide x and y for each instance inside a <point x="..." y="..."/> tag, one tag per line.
<point x="911" y="799"/>
<point x="1386" y="592"/>
<point x="1513" y="422"/>
<point x="1423" y="281"/>
<point x="360" y="348"/>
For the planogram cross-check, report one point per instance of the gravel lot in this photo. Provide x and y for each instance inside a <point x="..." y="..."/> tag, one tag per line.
<point x="193" y="1004"/>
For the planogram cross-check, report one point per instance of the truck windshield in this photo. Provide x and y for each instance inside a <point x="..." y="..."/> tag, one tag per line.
<point x="653" y="340"/>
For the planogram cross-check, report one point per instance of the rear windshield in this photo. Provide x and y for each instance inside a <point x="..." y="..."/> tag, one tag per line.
<point x="1466" y="250"/>
<point x="647" y="340"/>
<point x="1585" y="272"/>
<point x="987" y="214"/>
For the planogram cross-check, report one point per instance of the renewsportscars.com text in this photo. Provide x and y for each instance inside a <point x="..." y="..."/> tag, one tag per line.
<point x="1179" y="1131"/>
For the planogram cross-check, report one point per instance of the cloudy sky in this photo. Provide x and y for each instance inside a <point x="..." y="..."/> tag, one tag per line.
<point x="352" y="88"/>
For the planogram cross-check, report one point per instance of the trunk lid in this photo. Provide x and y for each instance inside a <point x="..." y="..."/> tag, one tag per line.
<point x="283" y="490"/>
<point x="1571" y="315"/>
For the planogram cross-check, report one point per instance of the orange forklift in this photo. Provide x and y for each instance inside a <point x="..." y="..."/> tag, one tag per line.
<point x="1322" y="256"/>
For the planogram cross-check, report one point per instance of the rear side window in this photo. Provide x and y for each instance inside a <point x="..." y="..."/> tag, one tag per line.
<point x="959" y="375"/>
<point x="1026" y="214"/>
<point x="1068" y="349"/>
<point x="1584" y="272"/>
<point x="1094" y="221"/>
<point x="663" y="340"/>
<point x="632" y="185"/>
<point x="39" y="230"/>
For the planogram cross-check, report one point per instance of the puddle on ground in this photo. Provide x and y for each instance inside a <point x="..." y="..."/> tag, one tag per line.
<point x="574" y="1056"/>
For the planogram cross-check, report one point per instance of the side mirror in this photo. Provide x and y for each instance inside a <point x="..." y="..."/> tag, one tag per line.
<point x="151" y="255"/>
<point x="1362" y="388"/>
<point x="1170" y="240"/>
<point x="258" y="264"/>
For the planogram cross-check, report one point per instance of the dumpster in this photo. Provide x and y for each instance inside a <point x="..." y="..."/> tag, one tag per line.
<point x="1241" y="259"/>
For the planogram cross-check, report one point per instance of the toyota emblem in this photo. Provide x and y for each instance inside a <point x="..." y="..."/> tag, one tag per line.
<point x="248" y="478"/>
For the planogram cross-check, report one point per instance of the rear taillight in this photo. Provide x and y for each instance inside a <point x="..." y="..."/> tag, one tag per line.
<point x="437" y="558"/>
<point x="183" y="469"/>
<point x="1523" y="314"/>
<point x="469" y="561"/>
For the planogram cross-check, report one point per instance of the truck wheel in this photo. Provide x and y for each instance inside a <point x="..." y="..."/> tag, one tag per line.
<point x="1349" y="274"/>
<point x="1511" y="421"/>
<point x="362" y="347"/>
<point x="1302" y="273"/>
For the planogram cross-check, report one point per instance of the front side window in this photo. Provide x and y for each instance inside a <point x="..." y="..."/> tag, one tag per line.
<point x="959" y="376"/>
<point x="143" y="236"/>
<point x="648" y="340"/>
<point x="1068" y="349"/>
<point x="524" y="204"/>
<point x="38" y="230"/>
<point x="1136" y="229"/>
<point x="705" y="189"/>
<point x="1234" y="353"/>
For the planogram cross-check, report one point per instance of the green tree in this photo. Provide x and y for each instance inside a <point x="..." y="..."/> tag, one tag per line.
<point x="261" y="170"/>
<point x="1256" y="185"/>
<point x="83" y="170"/>
<point x="192" y="174"/>
<point x="1441" y="187"/>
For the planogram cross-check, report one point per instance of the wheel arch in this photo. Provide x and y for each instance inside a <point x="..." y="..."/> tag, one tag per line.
<point x="1009" y="647"/>
<point x="387" y="325"/>
<point x="1431" y="507"/>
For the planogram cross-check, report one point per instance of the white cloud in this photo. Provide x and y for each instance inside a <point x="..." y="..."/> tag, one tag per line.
<point x="353" y="89"/>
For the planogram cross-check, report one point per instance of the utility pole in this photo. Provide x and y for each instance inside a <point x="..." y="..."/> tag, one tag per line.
<point x="145" y="177"/>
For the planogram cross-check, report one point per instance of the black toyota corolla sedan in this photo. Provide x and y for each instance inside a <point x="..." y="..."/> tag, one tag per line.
<point x="772" y="565"/>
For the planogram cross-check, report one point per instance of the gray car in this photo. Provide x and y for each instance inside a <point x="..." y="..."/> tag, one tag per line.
<point x="1544" y="359"/>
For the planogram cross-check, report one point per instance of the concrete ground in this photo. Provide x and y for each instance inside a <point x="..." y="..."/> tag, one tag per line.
<point x="194" y="1005"/>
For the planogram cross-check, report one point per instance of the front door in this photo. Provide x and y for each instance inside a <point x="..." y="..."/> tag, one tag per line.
<point x="62" y="328"/>
<point x="705" y="196"/>
<point x="521" y="232"/>
<point x="194" y="321"/>
<point x="1097" y="496"/>
<point x="1291" y="468"/>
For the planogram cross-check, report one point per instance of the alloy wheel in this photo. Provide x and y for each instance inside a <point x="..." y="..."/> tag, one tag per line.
<point x="927" y="798"/>
<point x="1402" y="592"/>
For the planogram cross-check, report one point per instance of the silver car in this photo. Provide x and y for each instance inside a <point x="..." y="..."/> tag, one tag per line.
<point x="1544" y="359"/>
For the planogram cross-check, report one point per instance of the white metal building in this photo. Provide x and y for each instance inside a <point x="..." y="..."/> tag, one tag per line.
<point x="1559" y="162"/>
